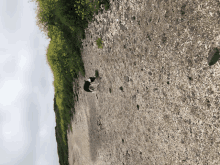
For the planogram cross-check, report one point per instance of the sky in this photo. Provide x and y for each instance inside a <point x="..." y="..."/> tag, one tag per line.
<point x="27" y="118"/>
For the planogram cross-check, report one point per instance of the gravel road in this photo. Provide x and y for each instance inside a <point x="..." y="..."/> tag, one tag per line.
<point x="164" y="103"/>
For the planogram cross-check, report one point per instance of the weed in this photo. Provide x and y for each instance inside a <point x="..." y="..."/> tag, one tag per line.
<point x="148" y="37"/>
<point x="99" y="43"/>
<point x="121" y="88"/>
<point x="213" y="56"/>
<point x="164" y="38"/>
<point x="96" y="73"/>
<point x="183" y="9"/>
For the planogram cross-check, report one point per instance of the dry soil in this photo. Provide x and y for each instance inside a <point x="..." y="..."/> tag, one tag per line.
<point x="168" y="110"/>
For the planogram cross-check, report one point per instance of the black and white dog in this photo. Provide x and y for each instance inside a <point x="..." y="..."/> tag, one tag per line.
<point x="90" y="85"/>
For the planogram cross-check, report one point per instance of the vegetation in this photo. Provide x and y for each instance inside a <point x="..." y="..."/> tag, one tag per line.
<point x="96" y="73"/>
<point x="213" y="56"/>
<point x="99" y="43"/>
<point x="64" y="22"/>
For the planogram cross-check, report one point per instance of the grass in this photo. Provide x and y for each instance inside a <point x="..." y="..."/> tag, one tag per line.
<point x="215" y="57"/>
<point x="99" y="43"/>
<point x="96" y="73"/>
<point x="64" y="22"/>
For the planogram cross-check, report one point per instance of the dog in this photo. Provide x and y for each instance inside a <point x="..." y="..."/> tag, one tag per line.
<point x="91" y="84"/>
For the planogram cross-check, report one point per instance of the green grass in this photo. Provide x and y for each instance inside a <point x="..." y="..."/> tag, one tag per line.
<point x="96" y="73"/>
<point x="99" y="43"/>
<point x="215" y="57"/>
<point x="64" y="22"/>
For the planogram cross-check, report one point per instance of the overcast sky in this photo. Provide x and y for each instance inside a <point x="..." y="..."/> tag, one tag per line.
<point x="27" y="119"/>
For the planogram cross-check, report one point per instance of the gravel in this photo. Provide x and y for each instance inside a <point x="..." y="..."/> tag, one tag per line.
<point x="151" y="121"/>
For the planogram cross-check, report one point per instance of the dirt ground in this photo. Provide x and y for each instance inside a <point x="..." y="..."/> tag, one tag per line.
<point x="168" y="111"/>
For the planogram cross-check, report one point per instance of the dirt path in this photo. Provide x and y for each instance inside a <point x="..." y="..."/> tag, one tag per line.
<point x="168" y="110"/>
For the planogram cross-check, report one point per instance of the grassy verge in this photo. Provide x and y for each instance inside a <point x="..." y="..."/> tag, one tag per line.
<point x="64" y="22"/>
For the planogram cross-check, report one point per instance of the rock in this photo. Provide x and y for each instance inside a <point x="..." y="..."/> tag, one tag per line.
<point x="126" y="78"/>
